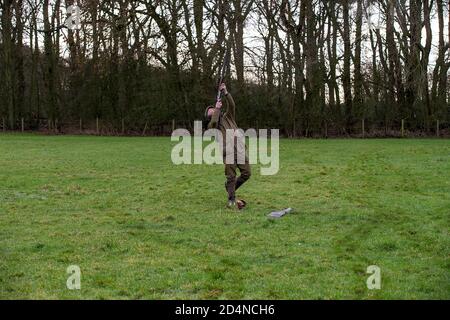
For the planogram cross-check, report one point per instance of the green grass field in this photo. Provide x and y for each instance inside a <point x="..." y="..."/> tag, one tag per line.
<point x="142" y="228"/>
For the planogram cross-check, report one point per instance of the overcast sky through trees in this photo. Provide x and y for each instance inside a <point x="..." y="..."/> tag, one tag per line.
<point x="315" y="64"/>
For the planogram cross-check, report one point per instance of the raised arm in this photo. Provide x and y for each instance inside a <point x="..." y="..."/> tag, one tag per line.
<point x="231" y="109"/>
<point x="231" y="106"/>
<point x="215" y="115"/>
<point x="214" y="119"/>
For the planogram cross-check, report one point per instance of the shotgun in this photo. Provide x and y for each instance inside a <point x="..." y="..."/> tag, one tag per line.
<point x="223" y="71"/>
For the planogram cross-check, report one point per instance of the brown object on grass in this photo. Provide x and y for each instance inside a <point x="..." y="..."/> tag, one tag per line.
<point x="241" y="204"/>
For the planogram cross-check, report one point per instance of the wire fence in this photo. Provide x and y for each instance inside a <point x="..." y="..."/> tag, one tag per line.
<point x="98" y="126"/>
<point x="396" y="129"/>
<point x="105" y="127"/>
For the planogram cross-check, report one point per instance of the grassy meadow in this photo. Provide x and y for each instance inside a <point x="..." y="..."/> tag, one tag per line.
<point x="140" y="227"/>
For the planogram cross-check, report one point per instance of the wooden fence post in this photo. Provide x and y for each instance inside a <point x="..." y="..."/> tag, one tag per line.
<point x="403" y="128"/>
<point x="293" y="129"/>
<point x="363" y="129"/>
<point x="437" y="128"/>
<point x="22" y="125"/>
<point x="145" y="128"/>
<point x="97" y="126"/>
<point x="56" y="125"/>
<point x="173" y="125"/>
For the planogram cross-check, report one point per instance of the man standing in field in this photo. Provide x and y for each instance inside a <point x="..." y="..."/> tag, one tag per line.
<point x="222" y="119"/>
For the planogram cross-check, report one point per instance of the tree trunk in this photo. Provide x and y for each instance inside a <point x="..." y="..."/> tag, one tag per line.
<point x="346" y="76"/>
<point x="50" y="80"/>
<point x="358" y="78"/>
<point x="20" y="72"/>
<point x="8" y="71"/>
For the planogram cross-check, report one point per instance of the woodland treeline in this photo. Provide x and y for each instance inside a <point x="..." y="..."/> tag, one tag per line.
<point x="306" y="67"/>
